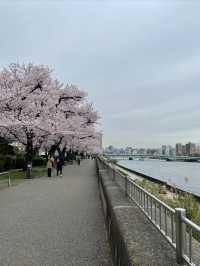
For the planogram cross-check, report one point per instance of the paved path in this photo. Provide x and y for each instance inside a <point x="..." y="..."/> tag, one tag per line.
<point x="57" y="221"/>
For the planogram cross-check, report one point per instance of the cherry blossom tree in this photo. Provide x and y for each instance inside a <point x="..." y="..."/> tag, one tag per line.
<point x="38" y="111"/>
<point x="27" y="94"/>
<point x="80" y="124"/>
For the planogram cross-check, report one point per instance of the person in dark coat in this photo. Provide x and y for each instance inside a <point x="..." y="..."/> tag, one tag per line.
<point x="60" y="163"/>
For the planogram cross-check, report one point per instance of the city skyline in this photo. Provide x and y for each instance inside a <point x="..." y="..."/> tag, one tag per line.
<point x="179" y="149"/>
<point x="154" y="147"/>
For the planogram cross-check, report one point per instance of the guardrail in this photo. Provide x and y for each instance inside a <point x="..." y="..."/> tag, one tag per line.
<point x="171" y="223"/>
<point x="8" y="177"/>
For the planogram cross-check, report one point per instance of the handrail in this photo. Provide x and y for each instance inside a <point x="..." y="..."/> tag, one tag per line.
<point x="192" y="224"/>
<point x="152" y="196"/>
<point x="4" y="173"/>
<point x="171" y="223"/>
<point x="7" y="173"/>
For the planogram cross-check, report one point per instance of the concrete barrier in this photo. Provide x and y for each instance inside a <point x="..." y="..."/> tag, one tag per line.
<point x="134" y="240"/>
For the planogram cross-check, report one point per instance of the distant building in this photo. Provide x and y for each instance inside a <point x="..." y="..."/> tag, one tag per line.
<point x="100" y="140"/>
<point x="110" y="149"/>
<point x="129" y="150"/>
<point x="167" y="150"/>
<point x="197" y="149"/>
<point x="190" y="148"/>
<point x="184" y="150"/>
<point x="134" y="152"/>
<point x="164" y="150"/>
<point x="141" y="151"/>
<point x="172" y="151"/>
<point x="153" y="152"/>
<point x="179" y="149"/>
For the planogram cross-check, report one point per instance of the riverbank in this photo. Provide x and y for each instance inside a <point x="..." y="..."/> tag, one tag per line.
<point x="179" y="175"/>
<point x="172" y="197"/>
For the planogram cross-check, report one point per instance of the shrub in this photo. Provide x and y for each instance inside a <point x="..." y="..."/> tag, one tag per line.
<point x="9" y="163"/>
<point x="39" y="161"/>
<point x="6" y="149"/>
<point x="19" y="162"/>
<point x="162" y="189"/>
<point x="114" y="161"/>
<point x="1" y="165"/>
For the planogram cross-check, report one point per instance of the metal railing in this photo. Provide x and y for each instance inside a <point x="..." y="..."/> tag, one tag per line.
<point x="8" y="180"/>
<point x="191" y="251"/>
<point x="179" y="231"/>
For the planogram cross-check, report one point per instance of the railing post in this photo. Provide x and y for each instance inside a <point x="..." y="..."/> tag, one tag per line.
<point x="113" y="168"/>
<point x="126" y="186"/>
<point x="180" y="235"/>
<point x="9" y="182"/>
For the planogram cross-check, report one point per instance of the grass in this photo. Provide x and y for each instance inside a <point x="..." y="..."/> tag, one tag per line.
<point x="18" y="175"/>
<point x="175" y="200"/>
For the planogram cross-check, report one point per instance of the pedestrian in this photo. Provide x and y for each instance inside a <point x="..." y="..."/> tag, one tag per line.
<point x="62" y="161"/>
<point x="49" y="166"/>
<point x="78" y="159"/>
<point x="59" y="163"/>
<point x="53" y="164"/>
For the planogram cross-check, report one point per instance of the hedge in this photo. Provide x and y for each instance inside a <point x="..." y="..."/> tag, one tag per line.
<point x="17" y="162"/>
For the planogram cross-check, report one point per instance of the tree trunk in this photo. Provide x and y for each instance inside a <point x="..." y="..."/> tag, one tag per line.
<point x="46" y="154"/>
<point x="64" y="153"/>
<point x="29" y="156"/>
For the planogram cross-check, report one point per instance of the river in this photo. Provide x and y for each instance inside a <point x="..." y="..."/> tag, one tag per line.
<point x="183" y="175"/>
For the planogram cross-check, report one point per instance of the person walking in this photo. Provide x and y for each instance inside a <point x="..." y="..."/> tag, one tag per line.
<point x="78" y="159"/>
<point x="58" y="166"/>
<point x="49" y="166"/>
<point x="53" y="164"/>
<point x="59" y="163"/>
<point x="62" y="161"/>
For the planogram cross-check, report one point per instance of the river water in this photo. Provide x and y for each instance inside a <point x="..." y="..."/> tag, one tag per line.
<point x="183" y="175"/>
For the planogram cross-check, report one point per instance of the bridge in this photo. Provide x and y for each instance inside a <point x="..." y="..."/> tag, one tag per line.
<point x="158" y="157"/>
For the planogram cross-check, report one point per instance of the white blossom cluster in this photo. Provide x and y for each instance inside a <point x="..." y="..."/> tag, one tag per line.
<point x="39" y="111"/>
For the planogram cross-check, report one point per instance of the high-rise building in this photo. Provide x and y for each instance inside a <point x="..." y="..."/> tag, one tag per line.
<point x="100" y="137"/>
<point x="129" y="150"/>
<point x="197" y="149"/>
<point x="167" y="150"/>
<point x="172" y="151"/>
<point x="163" y="150"/>
<point x="190" y="148"/>
<point x="179" y="149"/>
<point x="141" y="151"/>
<point x="184" y="150"/>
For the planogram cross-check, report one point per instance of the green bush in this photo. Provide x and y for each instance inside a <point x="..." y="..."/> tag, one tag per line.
<point x="1" y="165"/>
<point x="39" y="161"/>
<point x="18" y="162"/>
<point x="6" y="149"/>
<point x="9" y="162"/>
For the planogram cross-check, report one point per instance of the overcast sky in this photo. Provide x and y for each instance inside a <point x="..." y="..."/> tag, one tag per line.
<point x="139" y="61"/>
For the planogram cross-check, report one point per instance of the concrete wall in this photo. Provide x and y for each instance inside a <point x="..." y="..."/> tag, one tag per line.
<point x="133" y="239"/>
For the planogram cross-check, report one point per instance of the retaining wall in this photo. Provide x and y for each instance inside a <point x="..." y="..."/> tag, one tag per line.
<point x="134" y="240"/>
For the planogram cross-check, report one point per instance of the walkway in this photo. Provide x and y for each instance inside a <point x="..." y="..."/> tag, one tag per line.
<point x="54" y="222"/>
